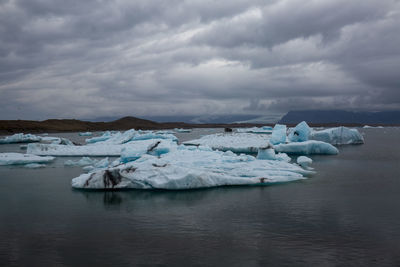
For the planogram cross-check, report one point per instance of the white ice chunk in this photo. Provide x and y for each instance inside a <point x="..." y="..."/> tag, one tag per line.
<point x="20" y="138"/>
<point x="300" y="133"/>
<point x="269" y="154"/>
<point x="372" y="127"/>
<point x="256" y="130"/>
<point x="188" y="168"/>
<point x="278" y="134"/>
<point x="307" y="148"/>
<point x="304" y="161"/>
<point x="338" y="136"/>
<point x="85" y="134"/>
<point x="105" y="136"/>
<point x="236" y="142"/>
<point x="18" y="158"/>
<point x="180" y="130"/>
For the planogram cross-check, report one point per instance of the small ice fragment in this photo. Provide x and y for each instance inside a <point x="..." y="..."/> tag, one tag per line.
<point x="304" y="161"/>
<point x="85" y="134"/>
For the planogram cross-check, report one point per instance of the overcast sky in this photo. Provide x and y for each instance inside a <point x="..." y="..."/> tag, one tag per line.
<point x="86" y="59"/>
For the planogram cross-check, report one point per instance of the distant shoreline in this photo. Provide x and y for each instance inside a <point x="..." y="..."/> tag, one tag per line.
<point x="71" y="125"/>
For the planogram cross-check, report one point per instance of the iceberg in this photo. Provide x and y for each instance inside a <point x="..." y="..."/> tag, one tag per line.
<point x="236" y="142"/>
<point x="255" y="130"/>
<point x="105" y="136"/>
<point x="338" y="136"/>
<point x="372" y="127"/>
<point x="88" y="150"/>
<point x="278" y="134"/>
<point x="304" y="162"/>
<point x="307" y="148"/>
<point x="20" y="138"/>
<point x="18" y="159"/>
<point x="82" y="162"/>
<point x="300" y="133"/>
<point x="190" y="168"/>
<point x="85" y="134"/>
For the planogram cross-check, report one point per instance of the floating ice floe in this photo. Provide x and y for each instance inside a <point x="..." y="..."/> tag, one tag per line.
<point x="256" y="130"/>
<point x="156" y="148"/>
<point x="20" y="138"/>
<point x="307" y="148"/>
<point x="18" y="159"/>
<point x="34" y="165"/>
<point x="236" y="142"/>
<point x="189" y="168"/>
<point x="128" y="136"/>
<point x="84" y="161"/>
<point x="180" y="130"/>
<point x="89" y="164"/>
<point x="89" y="150"/>
<point x="278" y="134"/>
<point x="85" y="134"/>
<point x="304" y="162"/>
<point x="372" y="127"/>
<point x="300" y="133"/>
<point x="338" y="136"/>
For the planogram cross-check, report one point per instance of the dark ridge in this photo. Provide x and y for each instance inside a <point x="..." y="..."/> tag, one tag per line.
<point x="126" y="123"/>
<point x="342" y="117"/>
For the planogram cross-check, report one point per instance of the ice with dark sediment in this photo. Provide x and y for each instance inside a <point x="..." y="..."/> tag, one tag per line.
<point x="20" y="159"/>
<point x="189" y="167"/>
<point x="20" y="138"/>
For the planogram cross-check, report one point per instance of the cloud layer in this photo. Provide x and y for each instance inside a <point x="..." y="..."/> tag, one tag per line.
<point x="82" y="59"/>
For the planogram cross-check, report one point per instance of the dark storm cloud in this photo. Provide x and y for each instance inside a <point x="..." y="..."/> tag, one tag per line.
<point x="95" y="58"/>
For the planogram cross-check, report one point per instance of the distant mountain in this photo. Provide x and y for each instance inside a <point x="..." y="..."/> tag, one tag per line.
<point x="341" y="116"/>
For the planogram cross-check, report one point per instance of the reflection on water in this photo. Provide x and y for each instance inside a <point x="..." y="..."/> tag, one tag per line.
<point x="346" y="214"/>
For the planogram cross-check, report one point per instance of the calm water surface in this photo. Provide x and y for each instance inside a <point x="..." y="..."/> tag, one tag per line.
<point x="346" y="214"/>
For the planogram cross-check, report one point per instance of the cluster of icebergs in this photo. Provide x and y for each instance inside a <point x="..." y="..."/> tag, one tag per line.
<point x="155" y="160"/>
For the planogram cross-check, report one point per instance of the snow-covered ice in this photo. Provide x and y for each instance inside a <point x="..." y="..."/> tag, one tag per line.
<point x="19" y="158"/>
<point x="189" y="168"/>
<point x="338" y="136"/>
<point x="307" y="148"/>
<point x="278" y="134"/>
<point x="20" y="138"/>
<point x="256" y="130"/>
<point x="300" y="133"/>
<point x="236" y="142"/>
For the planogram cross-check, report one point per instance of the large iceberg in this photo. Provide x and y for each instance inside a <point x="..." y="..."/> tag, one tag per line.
<point x="338" y="136"/>
<point x="189" y="168"/>
<point x="278" y="134"/>
<point x="236" y="142"/>
<point x="20" y="138"/>
<point x="307" y="148"/>
<point x="128" y="136"/>
<point x="300" y="133"/>
<point x="90" y="150"/>
<point x="256" y="130"/>
<point x="18" y="159"/>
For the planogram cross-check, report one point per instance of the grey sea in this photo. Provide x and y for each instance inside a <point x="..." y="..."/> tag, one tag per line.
<point x="347" y="214"/>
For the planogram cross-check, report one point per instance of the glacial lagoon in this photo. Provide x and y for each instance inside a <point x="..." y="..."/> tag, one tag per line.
<point x="347" y="213"/>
